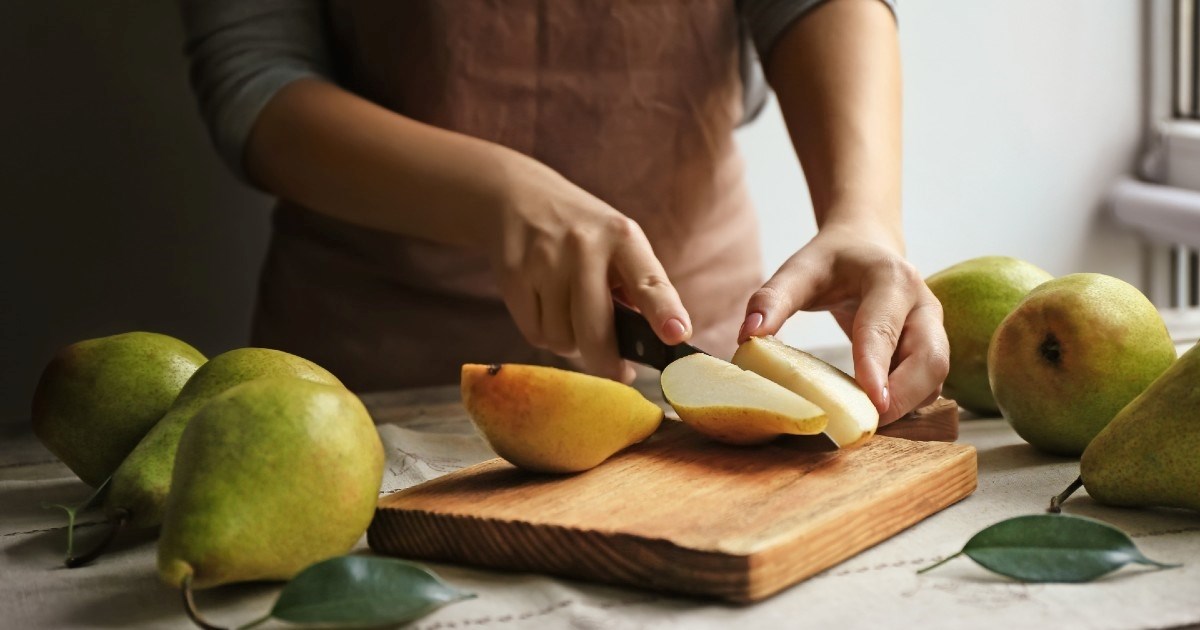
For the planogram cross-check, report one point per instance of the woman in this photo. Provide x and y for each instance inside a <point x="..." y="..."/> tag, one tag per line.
<point x="463" y="181"/>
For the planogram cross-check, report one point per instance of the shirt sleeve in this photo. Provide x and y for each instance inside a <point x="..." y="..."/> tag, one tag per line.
<point x="768" y="19"/>
<point x="241" y="52"/>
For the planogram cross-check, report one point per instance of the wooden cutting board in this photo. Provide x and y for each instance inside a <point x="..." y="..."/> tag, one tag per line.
<point x="680" y="513"/>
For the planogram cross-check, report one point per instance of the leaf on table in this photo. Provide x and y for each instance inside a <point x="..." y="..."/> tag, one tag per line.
<point x="363" y="592"/>
<point x="1052" y="548"/>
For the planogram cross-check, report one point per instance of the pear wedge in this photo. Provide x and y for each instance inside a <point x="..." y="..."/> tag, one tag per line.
<point x="548" y="420"/>
<point x="732" y="405"/>
<point x="852" y="416"/>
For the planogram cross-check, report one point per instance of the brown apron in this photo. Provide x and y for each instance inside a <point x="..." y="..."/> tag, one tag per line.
<point x="634" y="101"/>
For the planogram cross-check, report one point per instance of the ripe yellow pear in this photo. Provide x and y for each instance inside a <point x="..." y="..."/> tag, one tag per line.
<point x="544" y="419"/>
<point x="736" y="406"/>
<point x="852" y="416"/>
<point x="1149" y="455"/>
<point x="97" y="398"/>
<point x="1074" y="352"/>
<point x="976" y="295"/>
<point x="271" y="476"/>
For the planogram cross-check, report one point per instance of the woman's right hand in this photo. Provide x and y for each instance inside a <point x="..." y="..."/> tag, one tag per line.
<point x="560" y="253"/>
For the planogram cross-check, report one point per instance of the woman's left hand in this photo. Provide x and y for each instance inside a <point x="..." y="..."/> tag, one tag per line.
<point x="859" y="274"/>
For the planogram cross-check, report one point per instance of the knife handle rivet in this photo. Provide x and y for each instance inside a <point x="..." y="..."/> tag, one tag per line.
<point x="640" y="349"/>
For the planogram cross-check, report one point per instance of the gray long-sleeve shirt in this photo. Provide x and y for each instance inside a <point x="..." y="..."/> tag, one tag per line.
<point x="242" y="52"/>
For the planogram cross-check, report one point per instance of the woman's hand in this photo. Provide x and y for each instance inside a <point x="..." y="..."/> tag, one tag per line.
<point x="560" y="252"/>
<point x="892" y="319"/>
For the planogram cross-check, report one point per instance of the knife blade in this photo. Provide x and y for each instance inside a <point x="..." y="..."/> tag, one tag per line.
<point x="637" y="341"/>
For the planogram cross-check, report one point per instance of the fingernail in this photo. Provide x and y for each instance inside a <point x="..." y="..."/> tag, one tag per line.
<point x="674" y="328"/>
<point x="753" y="321"/>
<point x="886" y="399"/>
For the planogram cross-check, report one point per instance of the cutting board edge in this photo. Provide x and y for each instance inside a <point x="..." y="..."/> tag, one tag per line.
<point x="773" y="569"/>
<point x="384" y="536"/>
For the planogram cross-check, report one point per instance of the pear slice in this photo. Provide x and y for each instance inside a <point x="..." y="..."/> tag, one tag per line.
<point x="731" y="405"/>
<point x="852" y="416"/>
<point x="548" y="420"/>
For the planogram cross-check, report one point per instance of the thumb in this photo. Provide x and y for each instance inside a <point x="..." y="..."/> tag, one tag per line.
<point x="788" y="291"/>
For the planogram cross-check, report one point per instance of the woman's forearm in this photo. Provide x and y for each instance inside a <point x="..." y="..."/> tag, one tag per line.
<point x="344" y="156"/>
<point x="836" y="72"/>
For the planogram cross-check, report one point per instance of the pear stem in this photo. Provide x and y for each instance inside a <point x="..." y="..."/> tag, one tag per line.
<point x="117" y="522"/>
<point x="939" y="563"/>
<point x="189" y="605"/>
<point x="1057" y="501"/>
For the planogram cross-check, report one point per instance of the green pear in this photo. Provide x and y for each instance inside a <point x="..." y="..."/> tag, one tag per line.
<point x="140" y="484"/>
<point x="1073" y="353"/>
<point x="271" y="476"/>
<point x="97" y="398"/>
<point x="1149" y="455"/>
<point x="976" y="295"/>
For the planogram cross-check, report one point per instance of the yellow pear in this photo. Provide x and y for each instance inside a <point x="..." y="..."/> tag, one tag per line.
<point x="852" y="416"/>
<point x="544" y="419"/>
<point x="732" y="405"/>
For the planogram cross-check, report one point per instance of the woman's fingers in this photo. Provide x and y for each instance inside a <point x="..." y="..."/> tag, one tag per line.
<point x="592" y="319"/>
<point x="791" y="289"/>
<point x="924" y="361"/>
<point x="558" y="331"/>
<point x="645" y="283"/>
<point x="886" y="301"/>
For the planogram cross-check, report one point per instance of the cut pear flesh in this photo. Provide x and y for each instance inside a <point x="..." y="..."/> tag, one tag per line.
<point x="729" y="404"/>
<point x="852" y="415"/>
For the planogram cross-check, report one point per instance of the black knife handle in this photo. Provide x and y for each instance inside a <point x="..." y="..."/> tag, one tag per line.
<point x="636" y="340"/>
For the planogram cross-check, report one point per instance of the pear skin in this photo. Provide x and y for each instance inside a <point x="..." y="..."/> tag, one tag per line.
<point x="543" y="419"/>
<point x="852" y="416"/>
<point x="1149" y="455"/>
<point x="736" y="406"/>
<point x="140" y="484"/>
<point x="97" y="398"/>
<point x="977" y="295"/>
<point x="1074" y="352"/>
<point x="271" y="476"/>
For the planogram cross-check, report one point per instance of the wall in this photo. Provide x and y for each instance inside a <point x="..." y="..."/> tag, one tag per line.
<point x="117" y="215"/>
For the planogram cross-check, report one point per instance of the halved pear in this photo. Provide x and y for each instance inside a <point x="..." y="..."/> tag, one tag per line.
<point x="548" y="420"/>
<point x="729" y="404"/>
<point x="852" y="416"/>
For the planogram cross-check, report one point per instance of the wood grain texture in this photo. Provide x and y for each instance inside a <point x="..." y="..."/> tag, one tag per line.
<point x="681" y="513"/>
<point x="937" y="422"/>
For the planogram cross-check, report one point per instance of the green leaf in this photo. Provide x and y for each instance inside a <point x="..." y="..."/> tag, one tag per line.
<point x="1053" y="548"/>
<point x="363" y="592"/>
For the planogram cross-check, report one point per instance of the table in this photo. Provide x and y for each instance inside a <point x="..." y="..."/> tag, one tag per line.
<point x="426" y="435"/>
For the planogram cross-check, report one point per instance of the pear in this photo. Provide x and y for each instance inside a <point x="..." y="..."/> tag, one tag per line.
<point x="736" y="406"/>
<point x="1149" y="455"/>
<point x="139" y="486"/>
<point x="976" y="295"/>
<point x="1074" y="352"/>
<point x="548" y="420"/>
<point x="97" y="398"/>
<point x="852" y="416"/>
<point x="271" y="476"/>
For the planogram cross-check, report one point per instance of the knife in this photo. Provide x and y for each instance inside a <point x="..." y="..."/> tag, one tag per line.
<point x="636" y="340"/>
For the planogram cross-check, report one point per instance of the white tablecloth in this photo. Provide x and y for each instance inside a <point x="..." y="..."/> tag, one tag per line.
<point x="876" y="589"/>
